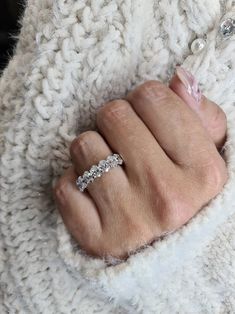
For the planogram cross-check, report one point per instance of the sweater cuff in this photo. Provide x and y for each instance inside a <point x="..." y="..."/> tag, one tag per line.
<point x="146" y="269"/>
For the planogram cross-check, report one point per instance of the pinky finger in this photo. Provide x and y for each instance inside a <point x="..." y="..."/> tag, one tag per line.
<point x="78" y="210"/>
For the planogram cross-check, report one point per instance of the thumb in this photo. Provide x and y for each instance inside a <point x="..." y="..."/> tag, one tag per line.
<point x="212" y="116"/>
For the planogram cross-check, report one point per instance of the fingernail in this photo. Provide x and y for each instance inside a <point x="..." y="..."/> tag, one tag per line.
<point x="190" y="83"/>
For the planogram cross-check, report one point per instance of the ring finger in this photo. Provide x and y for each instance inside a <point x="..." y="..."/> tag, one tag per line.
<point x="89" y="149"/>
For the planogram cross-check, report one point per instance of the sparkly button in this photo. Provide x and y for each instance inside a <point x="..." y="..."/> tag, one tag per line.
<point x="198" y="45"/>
<point x="227" y="28"/>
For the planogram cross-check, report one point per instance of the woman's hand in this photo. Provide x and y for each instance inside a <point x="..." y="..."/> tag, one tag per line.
<point x="172" y="168"/>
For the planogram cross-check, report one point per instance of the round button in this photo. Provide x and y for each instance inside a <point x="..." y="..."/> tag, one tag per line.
<point x="198" y="45"/>
<point x="227" y="27"/>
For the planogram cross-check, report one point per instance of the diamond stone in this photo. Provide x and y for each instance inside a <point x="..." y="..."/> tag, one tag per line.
<point x="91" y="177"/>
<point x="79" y="181"/>
<point x="86" y="177"/>
<point x="118" y="159"/>
<point x="102" y="165"/>
<point x="110" y="158"/>
<point x="108" y="163"/>
<point x="81" y="184"/>
<point x="83" y="187"/>
<point x="95" y="171"/>
<point x="227" y="28"/>
<point x="108" y="167"/>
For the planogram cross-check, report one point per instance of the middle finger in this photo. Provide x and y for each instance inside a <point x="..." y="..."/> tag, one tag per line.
<point x="127" y="134"/>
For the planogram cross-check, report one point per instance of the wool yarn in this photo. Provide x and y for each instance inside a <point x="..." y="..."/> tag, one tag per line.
<point x="71" y="57"/>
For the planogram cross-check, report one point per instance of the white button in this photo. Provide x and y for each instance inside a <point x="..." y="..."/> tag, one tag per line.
<point x="198" y="45"/>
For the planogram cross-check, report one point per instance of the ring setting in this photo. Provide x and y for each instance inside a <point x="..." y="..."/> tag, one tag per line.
<point x="96" y="171"/>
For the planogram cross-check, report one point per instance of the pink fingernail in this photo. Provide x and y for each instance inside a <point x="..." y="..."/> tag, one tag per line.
<point x="190" y="83"/>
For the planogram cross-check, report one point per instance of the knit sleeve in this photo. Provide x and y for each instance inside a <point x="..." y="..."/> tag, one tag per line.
<point x="137" y="277"/>
<point x="71" y="57"/>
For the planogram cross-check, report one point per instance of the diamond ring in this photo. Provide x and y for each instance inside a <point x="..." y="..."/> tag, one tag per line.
<point x="96" y="171"/>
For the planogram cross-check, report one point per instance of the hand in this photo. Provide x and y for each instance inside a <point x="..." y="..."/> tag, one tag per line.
<point x="171" y="168"/>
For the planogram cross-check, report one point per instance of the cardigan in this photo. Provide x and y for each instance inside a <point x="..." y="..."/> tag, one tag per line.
<point x="72" y="56"/>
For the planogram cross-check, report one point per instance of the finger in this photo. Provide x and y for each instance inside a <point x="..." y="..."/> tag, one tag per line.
<point x="128" y="135"/>
<point x="212" y="116"/>
<point x="174" y="124"/>
<point x="87" y="150"/>
<point x="77" y="209"/>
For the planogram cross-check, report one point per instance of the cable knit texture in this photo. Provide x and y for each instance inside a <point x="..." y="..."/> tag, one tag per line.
<point x="72" y="56"/>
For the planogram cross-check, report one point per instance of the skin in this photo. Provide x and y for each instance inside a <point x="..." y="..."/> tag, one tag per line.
<point x="172" y="168"/>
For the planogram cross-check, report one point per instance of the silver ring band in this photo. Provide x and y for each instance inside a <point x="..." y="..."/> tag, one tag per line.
<point x="96" y="171"/>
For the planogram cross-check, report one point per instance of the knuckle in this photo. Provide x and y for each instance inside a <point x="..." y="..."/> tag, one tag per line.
<point x="173" y="211"/>
<point x="214" y="175"/>
<point x="112" y="111"/>
<point x="219" y="174"/>
<point x="218" y="123"/>
<point x="149" y="86"/>
<point x="151" y="89"/>
<point x="82" y="143"/>
<point x="219" y="117"/>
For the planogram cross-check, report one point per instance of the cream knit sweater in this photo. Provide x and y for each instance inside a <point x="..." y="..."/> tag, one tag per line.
<point x="72" y="56"/>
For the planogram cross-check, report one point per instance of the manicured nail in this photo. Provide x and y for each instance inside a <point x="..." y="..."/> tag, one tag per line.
<point x="190" y="83"/>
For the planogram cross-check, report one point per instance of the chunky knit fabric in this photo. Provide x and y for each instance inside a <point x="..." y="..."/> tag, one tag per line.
<point x="72" y="56"/>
